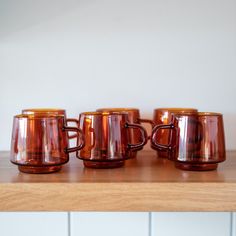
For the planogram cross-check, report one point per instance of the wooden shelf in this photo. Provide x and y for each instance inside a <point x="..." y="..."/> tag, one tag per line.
<point x="144" y="184"/>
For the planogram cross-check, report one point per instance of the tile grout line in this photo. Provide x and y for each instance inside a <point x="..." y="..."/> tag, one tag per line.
<point x="232" y="229"/>
<point x="149" y="223"/>
<point x="69" y="224"/>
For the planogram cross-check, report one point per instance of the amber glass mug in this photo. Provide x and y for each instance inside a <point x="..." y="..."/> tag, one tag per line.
<point x="163" y="116"/>
<point x="40" y="144"/>
<point x="108" y="139"/>
<point x="196" y="141"/>
<point x="134" y="117"/>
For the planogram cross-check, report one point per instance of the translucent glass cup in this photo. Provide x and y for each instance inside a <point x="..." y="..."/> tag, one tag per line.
<point x="40" y="144"/>
<point x="196" y="141"/>
<point x="108" y="139"/>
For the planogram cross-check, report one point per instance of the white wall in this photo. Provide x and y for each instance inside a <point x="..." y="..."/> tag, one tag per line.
<point x="80" y="55"/>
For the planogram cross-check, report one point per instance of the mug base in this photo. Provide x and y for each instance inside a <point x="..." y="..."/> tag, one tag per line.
<point x="103" y="165"/>
<point x="196" y="167"/>
<point x="39" y="170"/>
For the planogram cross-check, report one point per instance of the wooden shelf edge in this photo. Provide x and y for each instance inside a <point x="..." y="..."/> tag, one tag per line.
<point x="183" y="196"/>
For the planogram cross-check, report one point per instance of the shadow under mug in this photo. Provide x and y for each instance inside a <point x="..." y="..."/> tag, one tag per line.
<point x="196" y="141"/>
<point x="134" y="117"/>
<point x="40" y="144"/>
<point x="108" y="139"/>
<point x="49" y="112"/>
<point x="163" y="116"/>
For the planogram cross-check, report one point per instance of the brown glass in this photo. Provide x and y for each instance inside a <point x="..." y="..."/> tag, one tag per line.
<point x="163" y="116"/>
<point x="49" y="112"/>
<point x="44" y="111"/>
<point x="108" y="139"/>
<point x="134" y="117"/>
<point x="40" y="144"/>
<point x="196" y="141"/>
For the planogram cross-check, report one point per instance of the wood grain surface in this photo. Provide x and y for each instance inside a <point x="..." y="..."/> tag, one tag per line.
<point x="143" y="184"/>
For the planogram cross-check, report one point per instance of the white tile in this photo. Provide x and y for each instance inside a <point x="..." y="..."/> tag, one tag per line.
<point x="191" y="224"/>
<point x="233" y="228"/>
<point x="109" y="224"/>
<point x="33" y="224"/>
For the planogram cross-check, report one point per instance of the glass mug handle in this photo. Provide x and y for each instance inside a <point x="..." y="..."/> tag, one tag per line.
<point x="79" y="132"/>
<point x="154" y="134"/>
<point x="146" y="121"/>
<point x="73" y="121"/>
<point x="143" y="133"/>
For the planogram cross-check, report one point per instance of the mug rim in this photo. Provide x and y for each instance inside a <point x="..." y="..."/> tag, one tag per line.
<point x="102" y="113"/>
<point x="41" y="110"/>
<point x="209" y="113"/>
<point x="117" y="109"/>
<point x="173" y="109"/>
<point x="32" y="117"/>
